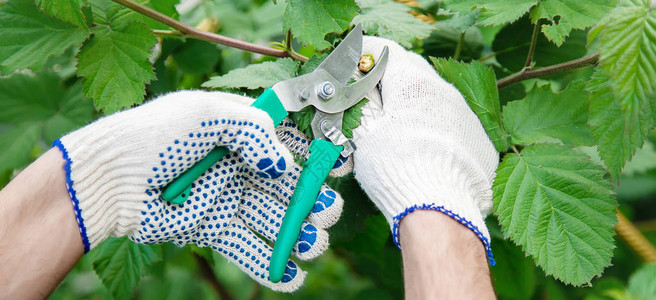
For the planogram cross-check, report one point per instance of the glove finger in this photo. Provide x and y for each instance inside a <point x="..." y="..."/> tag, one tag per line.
<point x="299" y="144"/>
<point x="252" y="255"/>
<point x="264" y="214"/>
<point x="327" y="208"/>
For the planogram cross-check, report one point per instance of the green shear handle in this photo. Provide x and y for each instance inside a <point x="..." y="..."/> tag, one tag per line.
<point x="323" y="156"/>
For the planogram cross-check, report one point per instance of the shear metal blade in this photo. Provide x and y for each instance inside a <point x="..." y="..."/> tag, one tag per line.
<point x="364" y="85"/>
<point x="343" y="61"/>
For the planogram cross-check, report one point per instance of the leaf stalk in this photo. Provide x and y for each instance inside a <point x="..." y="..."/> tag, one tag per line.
<point x="531" y="49"/>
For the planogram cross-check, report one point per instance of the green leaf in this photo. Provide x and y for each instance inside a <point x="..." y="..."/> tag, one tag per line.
<point x="352" y="118"/>
<point x="565" y="15"/>
<point x="628" y="53"/>
<point x="29" y="37"/>
<point x="311" y="64"/>
<point x="545" y="114"/>
<point x="462" y="21"/>
<point x="444" y="40"/>
<point x="477" y="84"/>
<point x="391" y="20"/>
<point x="617" y="132"/>
<point x="512" y="43"/>
<point x="262" y="75"/>
<point x="641" y="283"/>
<point x="556" y="204"/>
<point x="41" y="99"/>
<point x="18" y="142"/>
<point x="310" y="20"/>
<point x="303" y="119"/>
<point x="114" y="62"/>
<point x="196" y="56"/>
<point x="493" y="12"/>
<point x="512" y="264"/>
<point x="120" y="264"/>
<point x="65" y="10"/>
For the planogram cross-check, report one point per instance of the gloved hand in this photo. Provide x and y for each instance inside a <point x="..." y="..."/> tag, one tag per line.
<point x="117" y="166"/>
<point x="426" y="149"/>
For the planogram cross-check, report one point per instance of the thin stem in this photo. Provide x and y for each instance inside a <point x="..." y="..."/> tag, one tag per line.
<point x="290" y="49"/>
<point x="514" y="149"/>
<point x="207" y="273"/>
<point x="634" y="238"/>
<point x="566" y="66"/>
<point x="531" y="49"/>
<point x="192" y="32"/>
<point x="484" y="58"/>
<point x="167" y="32"/>
<point x="461" y="41"/>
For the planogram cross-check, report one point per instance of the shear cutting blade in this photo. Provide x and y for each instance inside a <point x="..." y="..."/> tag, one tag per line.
<point x="343" y="61"/>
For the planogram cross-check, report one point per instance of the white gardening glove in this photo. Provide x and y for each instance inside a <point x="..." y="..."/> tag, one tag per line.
<point x="426" y="149"/>
<point x="117" y="166"/>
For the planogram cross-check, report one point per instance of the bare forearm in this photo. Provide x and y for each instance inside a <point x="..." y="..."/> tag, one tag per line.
<point x="39" y="237"/>
<point x="442" y="259"/>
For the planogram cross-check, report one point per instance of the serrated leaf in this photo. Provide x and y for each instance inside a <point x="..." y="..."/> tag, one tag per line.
<point x="555" y="203"/>
<point x="29" y="37"/>
<point x="41" y="99"/>
<point x="65" y="10"/>
<point x="120" y="264"/>
<point x="628" y="53"/>
<point x="310" y="20"/>
<point x="493" y="12"/>
<point x="477" y="84"/>
<point x="303" y="119"/>
<point x="262" y="75"/>
<point x="565" y="15"/>
<point x="641" y="283"/>
<point x="114" y="63"/>
<point x="617" y="132"/>
<point x="352" y="118"/>
<point x="391" y="20"/>
<point x="545" y="114"/>
<point x="311" y="64"/>
<point x="461" y="21"/>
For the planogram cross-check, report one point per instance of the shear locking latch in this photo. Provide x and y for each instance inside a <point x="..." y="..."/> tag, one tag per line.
<point x="337" y="137"/>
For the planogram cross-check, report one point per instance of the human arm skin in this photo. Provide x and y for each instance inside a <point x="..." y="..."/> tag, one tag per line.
<point x="442" y="259"/>
<point x="39" y="238"/>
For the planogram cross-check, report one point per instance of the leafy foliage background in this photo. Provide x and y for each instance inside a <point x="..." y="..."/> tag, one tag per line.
<point x="575" y="142"/>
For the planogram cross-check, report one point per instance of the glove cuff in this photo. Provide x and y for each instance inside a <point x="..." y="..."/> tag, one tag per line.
<point x="444" y="182"/>
<point x="101" y="184"/>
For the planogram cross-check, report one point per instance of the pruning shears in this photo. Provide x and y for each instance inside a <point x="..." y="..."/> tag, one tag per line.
<point x="328" y="91"/>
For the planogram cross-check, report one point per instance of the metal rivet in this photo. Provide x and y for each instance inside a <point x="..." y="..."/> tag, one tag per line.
<point x="305" y="94"/>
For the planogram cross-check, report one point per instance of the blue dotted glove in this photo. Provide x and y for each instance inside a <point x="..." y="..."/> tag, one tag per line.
<point x="117" y="166"/>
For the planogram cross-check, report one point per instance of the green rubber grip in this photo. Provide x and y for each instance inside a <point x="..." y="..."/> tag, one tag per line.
<point x="323" y="156"/>
<point x="178" y="190"/>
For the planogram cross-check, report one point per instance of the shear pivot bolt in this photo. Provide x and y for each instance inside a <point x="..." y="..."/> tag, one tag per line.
<point x="326" y="90"/>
